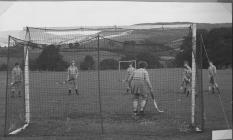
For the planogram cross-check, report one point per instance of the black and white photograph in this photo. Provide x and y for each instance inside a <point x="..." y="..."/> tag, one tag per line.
<point x="116" y="70"/>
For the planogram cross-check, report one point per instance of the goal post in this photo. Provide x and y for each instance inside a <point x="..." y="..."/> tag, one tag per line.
<point x="194" y="70"/>
<point x="17" y="114"/>
<point x="26" y="85"/>
<point x="26" y="69"/>
<point x="134" y="62"/>
<point x="123" y="65"/>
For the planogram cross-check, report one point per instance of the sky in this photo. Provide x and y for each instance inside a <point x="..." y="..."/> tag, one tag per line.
<point x="16" y="15"/>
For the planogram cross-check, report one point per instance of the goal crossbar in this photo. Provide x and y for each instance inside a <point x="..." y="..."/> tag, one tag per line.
<point x="129" y="61"/>
<point x="90" y="28"/>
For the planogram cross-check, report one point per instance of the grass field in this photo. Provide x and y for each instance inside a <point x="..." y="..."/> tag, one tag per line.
<point x="53" y="112"/>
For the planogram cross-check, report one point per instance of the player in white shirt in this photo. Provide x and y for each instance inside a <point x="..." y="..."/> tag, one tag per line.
<point x="72" y="76"/>
<point x="17" y="80"/>
<point x="212" y="76"/>
<point x="186" y="82"/>
<point x="130" y="71"/>
<point x="140" y="87"/>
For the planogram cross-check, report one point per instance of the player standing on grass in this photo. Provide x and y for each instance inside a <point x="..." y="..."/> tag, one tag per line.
<point x="130" y="71"/>
<point x="17" y="80"/>
<point x="72" y="77"/>
<point x="212" y="74"/>
<point x="140" y="87"/>
<point x="186" y="83"/>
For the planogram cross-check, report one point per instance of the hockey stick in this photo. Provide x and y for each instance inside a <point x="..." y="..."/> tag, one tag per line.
<point x="184" y="88"/>
<point x="216" y="87"/>
<point x="218" y="90"/>
<point x="15" y="83"/>
<point x="122" y="81"/>
<point x="155" y="104"/>
<point x="128" y="88"/>
<point x="64" y="82"/>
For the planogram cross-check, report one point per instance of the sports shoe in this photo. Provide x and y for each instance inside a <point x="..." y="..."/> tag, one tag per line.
<point x="197" y="129"/>
<point x="141" y="113"/>
<point x="69" y="92"/>
<point x="19" y="94"/>
<point x="76" y="91"/>
<point x="135" y="113"/>
<point x="213" y="91"/>
<point x="12" y="94"/>
<point x="184" y="90"/>
<point x="127" y="90"/>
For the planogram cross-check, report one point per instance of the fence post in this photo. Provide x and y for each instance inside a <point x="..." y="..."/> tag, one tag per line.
<point x="6" y="98"/>
<point x="100" y="101"/>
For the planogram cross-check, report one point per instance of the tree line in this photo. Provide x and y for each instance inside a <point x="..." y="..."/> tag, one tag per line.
<point x="218" y="44"/>
<point x="51" y="60"/>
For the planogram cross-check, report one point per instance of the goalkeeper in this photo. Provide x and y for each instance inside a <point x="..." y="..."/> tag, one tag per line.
<point x="212" y="75"/>
<point x="17" y="80"/>
<point x="140" y="87"/>
<point x="72" y="76"/>
<point x="130" y="71"/>
<point x="186" y="82"/>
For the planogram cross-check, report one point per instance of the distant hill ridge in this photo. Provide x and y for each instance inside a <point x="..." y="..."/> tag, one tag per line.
<point x="208" y="26"/>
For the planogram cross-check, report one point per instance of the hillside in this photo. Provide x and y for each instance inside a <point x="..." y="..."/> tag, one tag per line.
<point x="21" y="34"/>
<point x="119" y="43"/>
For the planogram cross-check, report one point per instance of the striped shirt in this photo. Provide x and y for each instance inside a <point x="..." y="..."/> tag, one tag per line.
<point x="141" y="74"/>
<point x="130" y="70"/>
<point x="17" y="74"/>
<point x="72" y="71"/>
<point x="212" y="71"/>
<point x="187" y="73"/>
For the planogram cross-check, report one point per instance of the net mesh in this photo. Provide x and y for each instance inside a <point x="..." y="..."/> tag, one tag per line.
<point x="100" y="105"/>
<point x="15" y="113"/>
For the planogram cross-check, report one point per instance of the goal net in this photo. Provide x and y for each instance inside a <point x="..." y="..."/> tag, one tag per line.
<point x="16" y="118"/>
<point x="70" y="83"/>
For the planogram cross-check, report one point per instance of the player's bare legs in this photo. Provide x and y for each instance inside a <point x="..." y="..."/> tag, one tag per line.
<point x="70" y="83"/>
<point x="19" y="87"/>
<point x="128" y="88"/>
<point x="76" y="87"/>
<point x="13" y="92"/>
<point x="135" y="104"/>
<point x="143" y="104"/>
